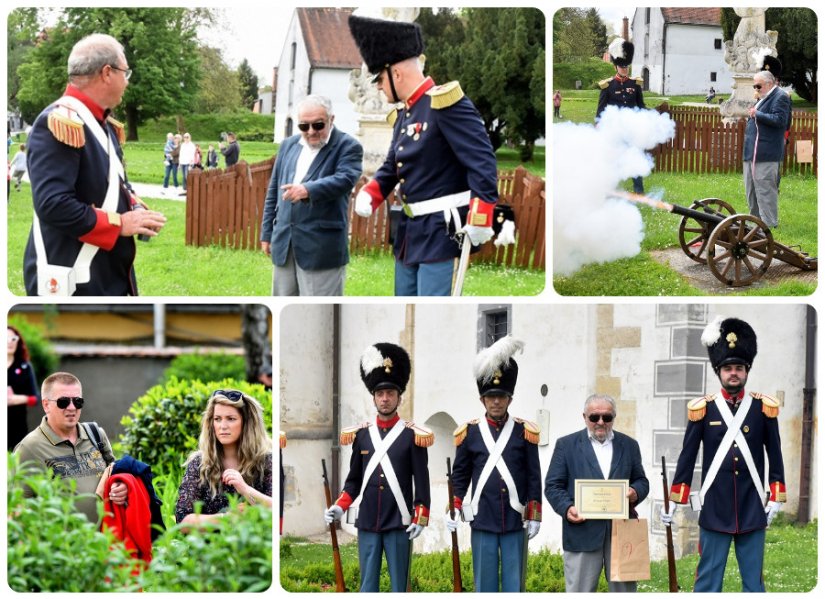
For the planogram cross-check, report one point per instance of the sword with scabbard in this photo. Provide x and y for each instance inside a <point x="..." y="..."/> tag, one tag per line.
<point x="462" y="263"/>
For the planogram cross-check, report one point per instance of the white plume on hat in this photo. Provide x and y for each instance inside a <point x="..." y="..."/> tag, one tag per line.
<point x="713" y="331"/>
<point x="616" y="48"/>
<point x="371" y="359"/>
<point x="494" y="357"/>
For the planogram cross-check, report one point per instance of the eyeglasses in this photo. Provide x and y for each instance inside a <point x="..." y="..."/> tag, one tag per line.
<point x="13" y="338"/>
<point x="606" y="418"/>
<point x="63" y="402"/>
<point x="317" y="126"/>
<point x="230" y="394"/>
<point x="126" y="72"/>
<point x="757" y="86"/>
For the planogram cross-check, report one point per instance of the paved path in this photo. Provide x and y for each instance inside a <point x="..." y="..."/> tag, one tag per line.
<point x="149" y="190"/>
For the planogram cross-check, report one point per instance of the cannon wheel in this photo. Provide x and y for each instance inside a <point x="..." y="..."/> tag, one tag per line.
<point x="740" y="249"/>
<point x="693" y="235"/>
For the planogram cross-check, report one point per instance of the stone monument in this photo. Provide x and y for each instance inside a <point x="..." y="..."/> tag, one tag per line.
<point x="744" y="55"/>
<point x="374" y="131"/>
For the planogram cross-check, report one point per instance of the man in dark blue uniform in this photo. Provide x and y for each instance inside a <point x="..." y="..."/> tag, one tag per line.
<point x="735" y="431"/>
<point x="85" y="211"/>
<point x="620" y="90"/>
<point x="440" y="157"/>
<point x="388" y="473"/>
<point x="499" y="455"/>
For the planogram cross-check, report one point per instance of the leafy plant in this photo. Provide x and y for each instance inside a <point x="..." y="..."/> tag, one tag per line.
<point x="205" y="367"/>
<point x="44" y="359"/>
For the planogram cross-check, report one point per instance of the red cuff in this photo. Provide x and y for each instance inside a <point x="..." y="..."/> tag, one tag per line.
<point x="778" y="492"/>
<point x="533" y="511"/>
<point x="422" y="515"/>
<point x="31" y="401"/>
<point x="680" y="493"/>
<point x="104" y="234"/>
<point x="344" y="501"/>
<point x="457" y="503"/>
<point x="481" y="213"/>
<point x="374" y="190"/>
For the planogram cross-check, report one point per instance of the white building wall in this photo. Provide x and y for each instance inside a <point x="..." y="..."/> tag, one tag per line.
<point x="292" y="83"/>
<point x="334" y="84"/>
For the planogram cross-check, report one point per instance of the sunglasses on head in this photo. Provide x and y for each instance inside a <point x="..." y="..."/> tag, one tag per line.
<point x="317" y="126"/>
<point x="757" y="86"/>
<point x="230" y="394"/>
<point x="13" y="338"/>
<point x="606" y="418"/>
<point x="63" y="402"/>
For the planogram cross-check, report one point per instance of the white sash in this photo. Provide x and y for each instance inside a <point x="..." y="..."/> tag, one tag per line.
<point x="734" y="433"/>
<point x="381" y="447"/>
<point x="83" y="262"/>
<point x="495" y="460"/>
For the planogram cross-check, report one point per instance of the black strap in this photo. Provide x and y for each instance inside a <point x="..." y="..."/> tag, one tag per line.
<point x="94" y="434"/>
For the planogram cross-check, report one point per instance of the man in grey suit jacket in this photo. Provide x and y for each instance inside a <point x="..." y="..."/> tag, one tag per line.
<point x="304" y="225"/>
<point x="596" y="452"/>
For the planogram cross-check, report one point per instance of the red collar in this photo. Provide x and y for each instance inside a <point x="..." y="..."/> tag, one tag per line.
<point x="733" y="398"/>
<point x="419" y="91"/>
<point x="387" y="423"/>
<point x="621" y="79"/>
<point x="97" y="111"/>
<point x="497" y="424"/>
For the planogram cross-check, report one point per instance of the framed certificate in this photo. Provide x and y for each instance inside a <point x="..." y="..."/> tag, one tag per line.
<point x="598" y="499"/>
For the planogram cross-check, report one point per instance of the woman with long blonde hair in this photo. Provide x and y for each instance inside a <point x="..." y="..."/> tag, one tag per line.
<point x="234" y="457"/>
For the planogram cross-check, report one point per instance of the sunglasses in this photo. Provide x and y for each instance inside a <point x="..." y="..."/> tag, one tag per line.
<point x="230" y="394"/>
<point x="318" y="126"/>
<point x="63" y="402"/>
<point x="13" y="338"/>
<point x="606" y="418"/>
<point x="757" y="86"/>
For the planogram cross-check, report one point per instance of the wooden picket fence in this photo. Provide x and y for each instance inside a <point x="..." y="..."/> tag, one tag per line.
<point x="225" y="208"/>
<point x="704" y="144"/>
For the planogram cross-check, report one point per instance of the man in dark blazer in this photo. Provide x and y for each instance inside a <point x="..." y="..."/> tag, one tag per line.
<point x="597" y="452"/>
<point x="764" y="145"/>
<point x="305" y="212"/>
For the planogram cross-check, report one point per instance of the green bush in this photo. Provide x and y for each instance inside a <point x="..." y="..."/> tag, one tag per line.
<point x="205" y="367"/>
<point x="207" y="128"/>
<point x="233" y="554"/>
<point x="163" y="425"/>
<point x="589" y="72"/>
<point x="44" y="360"/>
<point x="54" y="548"/>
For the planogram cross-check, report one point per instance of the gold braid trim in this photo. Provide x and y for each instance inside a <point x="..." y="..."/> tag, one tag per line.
<point x="444" y="96"/>
<point x="424" y="437"/>
<point x="347" y="435"/>
<point x="120" y="130"/>
<point x="532" y="432"/>
<point x="392" y="117"/>
<point x="698" y="408"/>
<point x="770" y="405"/>
<point x="283" y="439"/>
<point x="66" y="130"/>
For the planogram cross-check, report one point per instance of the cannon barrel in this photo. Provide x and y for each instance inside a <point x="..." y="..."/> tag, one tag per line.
<point x="713" y="218"/>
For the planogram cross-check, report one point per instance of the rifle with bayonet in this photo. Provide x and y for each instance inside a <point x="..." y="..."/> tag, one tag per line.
<point x="457" y="586"/>
<point x="340" y="586"/>
<point x="671" y="558"/>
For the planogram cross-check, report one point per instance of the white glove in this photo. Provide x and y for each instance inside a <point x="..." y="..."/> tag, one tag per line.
<point x="478" y="235"/>
<point x="414" y="530"/>
<point x="667" y="517"/>
<point x="771" y="510"/>
<point x="363" y="204"/>
<point x="532" y="528"/>
<point x="332" y="514"/>
<point x="452" y="525"/>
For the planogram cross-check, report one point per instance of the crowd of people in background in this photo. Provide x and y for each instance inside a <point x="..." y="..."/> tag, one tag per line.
<point x="181" y="154"/>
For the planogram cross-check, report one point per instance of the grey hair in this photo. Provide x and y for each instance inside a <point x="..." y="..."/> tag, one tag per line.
<point x="600" y="397"/>
<point x="94" y="52"/>
<point x="316" y="100"/>
<point x="765" y="77"/>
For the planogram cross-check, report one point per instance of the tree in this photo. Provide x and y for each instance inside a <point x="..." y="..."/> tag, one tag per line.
<point x="598" y="30"/>
<point x="578" y="35"/>
<point x="160" y="45"/>
<point x="249" y="84"/>
<point x="21" y="31"/>
<point x="220" y="89"/>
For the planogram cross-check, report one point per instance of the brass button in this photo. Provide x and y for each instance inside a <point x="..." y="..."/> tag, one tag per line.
<point x="400" y="148"/>
<point x="404" y="196"/>
<point x="736" y="472"/>
<point x="746" y="429"/>
<point x="400" y="164"/>
<point x="409" y="115"/>
<point x="402" y="180"/>
<point x="382" y="476"/>
<point x="504" y="490"/>
<point x="381" y="487"/>
<point x="734" y="459"/>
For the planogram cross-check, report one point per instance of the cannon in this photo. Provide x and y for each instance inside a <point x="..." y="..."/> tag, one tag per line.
<point x="738" y="248"/>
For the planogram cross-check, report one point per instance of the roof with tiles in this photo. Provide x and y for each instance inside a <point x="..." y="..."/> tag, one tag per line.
<point x="693" y="16"/>
<point x="327" y="37"/>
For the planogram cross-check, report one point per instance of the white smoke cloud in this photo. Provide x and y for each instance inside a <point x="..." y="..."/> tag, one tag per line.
<point x="589" y="162"/>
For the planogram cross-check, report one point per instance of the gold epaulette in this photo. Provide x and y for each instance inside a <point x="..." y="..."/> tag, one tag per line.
<point x="120" y="130"/>
<point x="639" y="80"/>
<point x="770" y="405"/>
<point x="67" y="127"/>
<point x="392" y="116"/>
<point x="424" y="437"/>
<point x="283" y="439"/>
<point x="605" y="82"/>
<point x="532" y="431"/>
<point x="347" y="435"/>
<point x="698" y="407"/>
<point x="461" y="432"/>
<point x="444" y="96"/>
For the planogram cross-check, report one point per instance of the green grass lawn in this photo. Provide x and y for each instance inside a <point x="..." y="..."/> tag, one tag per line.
<point x="165" y="266"/>
<point x="790" y="566"/>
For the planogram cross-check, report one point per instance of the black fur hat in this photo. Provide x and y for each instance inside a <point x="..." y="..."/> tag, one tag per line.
<point x="383" y="43"/>
<point x="772" y="64"/>
<point x="621" y="52"/>
<point x="385" y="366"/>
<point x="729" y="341"/>
<point x="495" y="369"/>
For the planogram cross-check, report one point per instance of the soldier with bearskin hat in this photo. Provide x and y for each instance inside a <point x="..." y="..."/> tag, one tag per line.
<point x="735" y="430"/>
<point x="595" y="452"/>
<point x="499" y="455"/>
<point x="85" y="213"/>
<point x="440" y="158"/>
<point x="620" y="90"/>
<point x="388" y="485"/>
